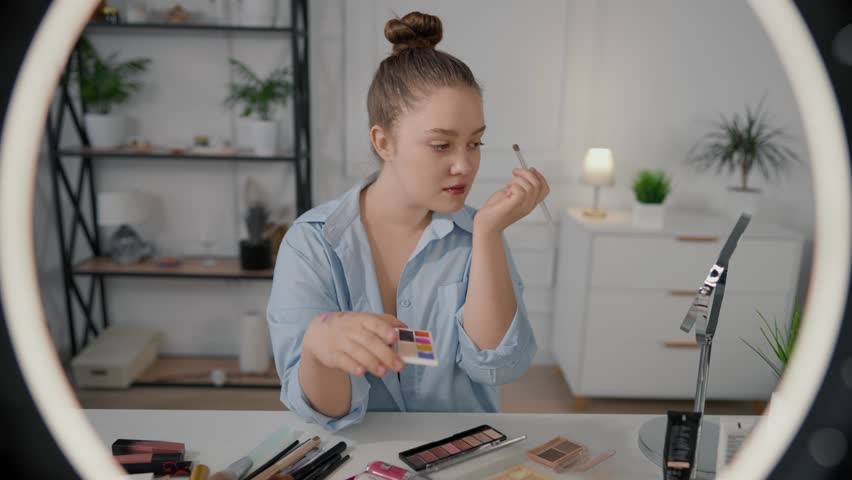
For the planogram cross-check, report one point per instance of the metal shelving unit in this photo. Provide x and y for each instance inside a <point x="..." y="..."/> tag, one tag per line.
<point x="77" y="217"/>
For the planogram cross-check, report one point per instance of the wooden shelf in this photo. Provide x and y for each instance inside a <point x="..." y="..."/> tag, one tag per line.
<point x="211" y="27"/>
<point x="195" y="372"/>
<point x="161" y="152"/>
<point x="190" y="267"/>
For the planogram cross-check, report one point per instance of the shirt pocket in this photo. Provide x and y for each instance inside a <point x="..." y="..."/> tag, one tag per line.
<point x="442" y="325"/>
<point x="451" y="298"/>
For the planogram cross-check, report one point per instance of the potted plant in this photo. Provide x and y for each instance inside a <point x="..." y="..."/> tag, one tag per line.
<point x="780" y="339"/>
<point x="256" y="251"/>
<point x="738" y="145"/>
<point x="651" y="188"/>
<point x="258" y="98"/>
<point x="105" y="83"/>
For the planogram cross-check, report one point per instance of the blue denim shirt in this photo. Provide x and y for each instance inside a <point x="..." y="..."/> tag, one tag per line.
<point x="324" y="264"/>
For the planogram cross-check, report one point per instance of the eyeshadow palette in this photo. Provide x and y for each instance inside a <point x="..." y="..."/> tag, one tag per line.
<point x="464" y="443"/>
<point x="557" y="452"/>
<point x="415" y="347"/>
<point x="519" y="472"/>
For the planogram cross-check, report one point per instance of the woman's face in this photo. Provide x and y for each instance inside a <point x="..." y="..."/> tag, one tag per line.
<point x="433" y="150"/>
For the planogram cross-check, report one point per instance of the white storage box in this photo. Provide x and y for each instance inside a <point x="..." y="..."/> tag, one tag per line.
<point x="115" y="358"/>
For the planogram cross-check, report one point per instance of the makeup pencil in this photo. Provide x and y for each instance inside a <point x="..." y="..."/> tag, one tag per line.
<point x="323" y="459"/>
<point x="544" y="208"/>
<point x="309" y="457"/>
<point x="289" y="459"/>
<point x="328" y="469"/>
<point x="287" y="449"/>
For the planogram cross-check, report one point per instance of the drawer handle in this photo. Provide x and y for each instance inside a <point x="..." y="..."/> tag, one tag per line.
<point x="697" y="238"/>
<point x="683" y="293"/>
<point x="679" y="344"/>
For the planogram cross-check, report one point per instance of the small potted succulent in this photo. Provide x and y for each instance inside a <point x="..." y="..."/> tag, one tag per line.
<point x="651" y="188"/>
<point x="258" y="98"/>
<point x="105" y="83"/>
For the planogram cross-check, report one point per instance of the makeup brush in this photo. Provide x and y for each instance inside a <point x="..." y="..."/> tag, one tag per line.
<point x="543" y="205"/>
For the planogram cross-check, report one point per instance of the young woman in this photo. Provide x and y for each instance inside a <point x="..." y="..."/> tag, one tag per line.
<point x="402" y="250"/>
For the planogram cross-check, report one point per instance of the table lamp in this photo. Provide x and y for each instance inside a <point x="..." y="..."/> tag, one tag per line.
<point x="597" y="172"/>
<point x="123" y="209"/>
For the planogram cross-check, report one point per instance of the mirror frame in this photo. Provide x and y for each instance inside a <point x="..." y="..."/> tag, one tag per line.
<point x="54" y="397"/>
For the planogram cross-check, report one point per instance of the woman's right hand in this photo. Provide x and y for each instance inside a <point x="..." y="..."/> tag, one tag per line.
<point x="355" y="342"/>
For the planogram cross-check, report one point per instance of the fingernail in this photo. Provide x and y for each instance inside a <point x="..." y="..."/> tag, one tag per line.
<point x="399" y="365"/>
<point x="382" y="371"/>
<point x="533" y="169"/>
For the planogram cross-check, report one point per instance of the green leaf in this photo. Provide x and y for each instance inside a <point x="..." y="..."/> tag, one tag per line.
<point x="766" y="359"/>
<point x="254" y="94"/>
<point x="651" y="186"/>
<point x="105" y="82"/>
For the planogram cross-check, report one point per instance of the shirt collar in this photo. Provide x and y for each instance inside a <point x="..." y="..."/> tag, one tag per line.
<point x="341" y="219"/>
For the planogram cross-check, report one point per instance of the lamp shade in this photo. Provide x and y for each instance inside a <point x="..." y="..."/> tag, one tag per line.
<point x="122" y="208"/>
<point x="598" y="167"/>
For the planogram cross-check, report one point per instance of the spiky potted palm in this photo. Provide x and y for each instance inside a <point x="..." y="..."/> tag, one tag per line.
<point x="740" y="144"/>
<point x="105" y="83"/>
<point x="258" y="99"/>
<point x="651" y="187"/>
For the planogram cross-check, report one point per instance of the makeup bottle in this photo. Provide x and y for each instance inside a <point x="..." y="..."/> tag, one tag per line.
<point x="681" y="441"/>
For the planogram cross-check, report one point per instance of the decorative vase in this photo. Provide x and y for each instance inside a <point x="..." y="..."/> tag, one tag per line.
<point x="258" y="13"/>
<point x="255" y="347"/>
<point x="649" y="216"/>
<point x="106" y="130"/>
<point x="263" y="137"/>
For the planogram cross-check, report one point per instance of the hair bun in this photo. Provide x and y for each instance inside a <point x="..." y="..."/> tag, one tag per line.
<point x="415" y="30"/>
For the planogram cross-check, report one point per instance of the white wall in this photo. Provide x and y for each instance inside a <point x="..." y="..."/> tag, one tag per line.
<point x="643" y="78"/>
<point x="646" y="79"/>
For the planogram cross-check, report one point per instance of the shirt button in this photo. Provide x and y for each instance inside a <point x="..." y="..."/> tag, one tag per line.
<point x="406" y="303"/>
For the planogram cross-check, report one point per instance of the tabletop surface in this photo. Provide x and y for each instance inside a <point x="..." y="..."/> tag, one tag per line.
<point x="217" y="438"/>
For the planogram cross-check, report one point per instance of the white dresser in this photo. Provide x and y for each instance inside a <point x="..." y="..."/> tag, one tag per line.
<point x="621" y="294"/>
<point x="533" y="245"/>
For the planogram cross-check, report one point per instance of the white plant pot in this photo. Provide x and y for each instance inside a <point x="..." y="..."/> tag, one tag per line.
<point x="258" y="13"/>
<point x="263" y="137"/>
<point x="648" y="216"/>
<point x="106" y="131"/>
<point x="742" y="201"/>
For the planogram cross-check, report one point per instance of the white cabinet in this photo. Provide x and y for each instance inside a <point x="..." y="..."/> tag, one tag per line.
<point x="621" y="294"/>
<point x="533" y="246"/>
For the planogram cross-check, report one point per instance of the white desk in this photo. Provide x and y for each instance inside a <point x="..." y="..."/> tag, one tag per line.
<point x="216" y="438"/>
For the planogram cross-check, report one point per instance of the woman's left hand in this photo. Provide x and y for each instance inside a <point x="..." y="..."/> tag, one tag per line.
<point x="513" y="202"/>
